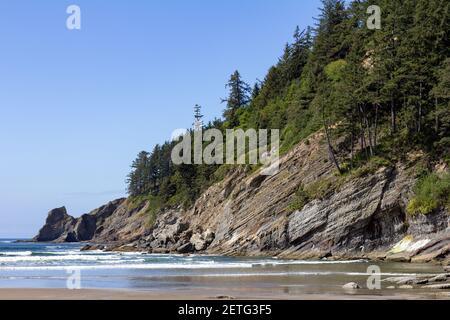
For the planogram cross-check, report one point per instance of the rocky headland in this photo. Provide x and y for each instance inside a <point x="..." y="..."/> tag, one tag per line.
<point x="359" y="215"/>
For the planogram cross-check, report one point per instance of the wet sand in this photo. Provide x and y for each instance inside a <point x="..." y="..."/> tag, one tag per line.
<point x="43" y="272"/>
<point x="216" y="294"/>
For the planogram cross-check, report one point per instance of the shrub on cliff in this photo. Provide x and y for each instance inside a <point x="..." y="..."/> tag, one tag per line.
<point x="431" y="193"/>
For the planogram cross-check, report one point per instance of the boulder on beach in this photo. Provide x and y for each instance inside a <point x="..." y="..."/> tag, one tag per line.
<point x="351" y="286"/>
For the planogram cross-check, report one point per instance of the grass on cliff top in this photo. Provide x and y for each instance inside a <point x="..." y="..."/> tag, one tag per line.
<point x="431" y="193"/>
<point x="301" y="198"/>
<point x="154" y="205"/>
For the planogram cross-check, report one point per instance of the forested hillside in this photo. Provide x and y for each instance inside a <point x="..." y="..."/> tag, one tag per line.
<point x="376" y="94"/>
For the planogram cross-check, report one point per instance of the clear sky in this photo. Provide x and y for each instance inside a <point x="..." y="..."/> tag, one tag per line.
<point x="77" y="106"/>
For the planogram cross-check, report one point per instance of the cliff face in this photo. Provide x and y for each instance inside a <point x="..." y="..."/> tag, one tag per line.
<point x="60" y="227"/>
<point x="251" y="214"/>
<point x="353" y="217"/>
<point x="56" y="226"/>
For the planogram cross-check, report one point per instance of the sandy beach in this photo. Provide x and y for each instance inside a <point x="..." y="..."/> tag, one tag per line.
<point x="35" y="271"/>
<point x="217" y="294"/>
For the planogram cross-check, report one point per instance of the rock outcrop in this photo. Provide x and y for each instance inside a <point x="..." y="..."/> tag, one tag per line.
<point x="58" y="227"/>
<point x="251" y="214"/>
<point x="434" y="282"/>
<point x="61" y="227"/>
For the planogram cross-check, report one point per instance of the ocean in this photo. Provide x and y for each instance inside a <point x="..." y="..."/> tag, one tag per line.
<point x="45" y="265"/>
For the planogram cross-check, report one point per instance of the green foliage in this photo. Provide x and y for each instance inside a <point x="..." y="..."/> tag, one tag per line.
<point x="447" y="160"/>
<point x="431" y="193"/>
<point x="371" y="167"/>
<point x="155" y="179"/>
<point x="363" y="167"/>
<point x="222" y="172"/>
<point x="238" y="97"/>
<point x="321" y="188"/>
<point x="152" y="204"/>
<point x="421" y="170"/>
<point x="379" y="94"/>
<point x="154" y="207"/>
<point x="335" y="70"/>
<point x="138" y="179"/>
<point x="136" y="202"/>
<point x="301" y="198"/>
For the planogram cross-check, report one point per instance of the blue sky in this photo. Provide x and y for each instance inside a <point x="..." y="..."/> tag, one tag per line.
<point x="77" y="106"/>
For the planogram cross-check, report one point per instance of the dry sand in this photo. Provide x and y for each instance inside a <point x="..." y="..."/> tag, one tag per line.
<point x="100" y="294"/>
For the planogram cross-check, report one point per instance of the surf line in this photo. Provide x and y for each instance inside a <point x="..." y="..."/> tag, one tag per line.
<point x="195" y="311"/>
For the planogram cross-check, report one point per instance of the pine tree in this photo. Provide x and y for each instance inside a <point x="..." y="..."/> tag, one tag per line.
<point x="154" y="169"/>
<point x="329" y="44"/>
<point x="296" y="55"/>
<point x="353" y="82"/>
<point x="198" y="116"/>
<point x="387" y="47"/>
<point x="441" y="94"/>
<point x="139" y="178"/>
<point x="256" y="91"/>
<point x="239" y="97"/>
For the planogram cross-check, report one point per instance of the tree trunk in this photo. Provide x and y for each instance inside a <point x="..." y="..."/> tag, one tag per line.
<point x="331" y="153"/>
<point x="375" y="136"/>
<point x="352" y="149"/>
<point x="362" y="134"/>
<point x="369" y="134"/>
<point x="419" y="124"/>
<point x="393" y="117"/>
<point x="436" y="115"/>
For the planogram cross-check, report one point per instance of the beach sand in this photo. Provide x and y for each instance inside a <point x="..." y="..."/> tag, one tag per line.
<point x="217" y="294"/>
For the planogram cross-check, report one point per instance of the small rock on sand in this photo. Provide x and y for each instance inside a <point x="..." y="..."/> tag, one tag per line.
<point x="406" y="287"/>
<point x="225" y="298"/>
<point x="351" y="285"/>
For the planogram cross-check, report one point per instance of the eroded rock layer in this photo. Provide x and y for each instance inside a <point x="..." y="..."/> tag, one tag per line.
<point x="252" y="214"/>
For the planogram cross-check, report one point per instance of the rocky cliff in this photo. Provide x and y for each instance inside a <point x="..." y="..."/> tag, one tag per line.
<point x="60" y="227"/>
<point x="355" y="216"/>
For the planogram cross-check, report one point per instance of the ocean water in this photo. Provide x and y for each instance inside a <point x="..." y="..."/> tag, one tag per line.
<point x="43" y="265"/>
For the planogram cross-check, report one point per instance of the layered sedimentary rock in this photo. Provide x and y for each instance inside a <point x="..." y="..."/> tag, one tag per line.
<point x="252" y="214"/>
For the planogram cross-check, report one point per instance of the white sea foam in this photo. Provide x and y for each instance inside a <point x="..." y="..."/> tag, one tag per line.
<point x="116" y="265"/>
<point x="78" y="257"/>
<point x="149" y="266"/>
<point x="92" y="253"/>
<point x="131" y="261"/>
<point x="75" y="253"/>
<point x="303" y="262"/>
<point x="16" y="253"/>
<point x="307" y="273"/>
<point x="103" y="260"/>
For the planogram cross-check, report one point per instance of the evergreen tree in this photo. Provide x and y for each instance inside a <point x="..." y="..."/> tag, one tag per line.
<point x="139" y="178"/>
<point x="198" y="116"/>
<point x="441" y="113"/>
<point x="154" y="168"/>
<point x="355" y="84"/>
<point x="329" y="44"/>
<point x="256" y="91"/>
<point x="296" y="55"/>
<point x="239" y="97"/>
